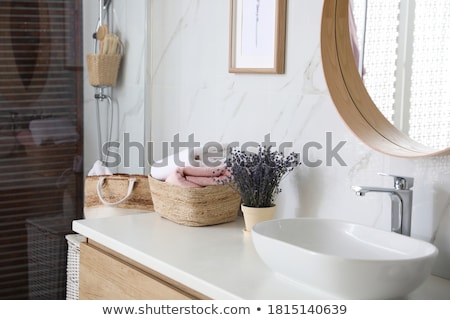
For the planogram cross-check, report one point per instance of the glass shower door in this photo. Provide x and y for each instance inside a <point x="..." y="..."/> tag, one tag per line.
<point x="40" y="143"/>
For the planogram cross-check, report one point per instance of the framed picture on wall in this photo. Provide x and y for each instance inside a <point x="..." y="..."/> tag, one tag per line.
<point x="257" y="36"/>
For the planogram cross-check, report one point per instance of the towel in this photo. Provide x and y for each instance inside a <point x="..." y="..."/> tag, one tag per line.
<point x="197" y="177"/>
<point x="56" y="130"/>
<point x="168" y="166"/>
<point x="98" y="169"/>
<point x="193" y="157"/>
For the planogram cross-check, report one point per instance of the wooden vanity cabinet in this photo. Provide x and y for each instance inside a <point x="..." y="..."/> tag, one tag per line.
<point x="107" y="275"/>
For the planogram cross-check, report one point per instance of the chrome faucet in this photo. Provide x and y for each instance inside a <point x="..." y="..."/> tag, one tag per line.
<point x="401" y="202"/>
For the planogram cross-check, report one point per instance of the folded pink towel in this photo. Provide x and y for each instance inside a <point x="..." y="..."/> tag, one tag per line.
<point x="204" y="171"/>
<point x="177" y="178"/>
<point x="196" y="177"/>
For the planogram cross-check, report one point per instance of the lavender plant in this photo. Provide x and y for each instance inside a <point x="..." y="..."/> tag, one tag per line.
<point x="257" y="175"/>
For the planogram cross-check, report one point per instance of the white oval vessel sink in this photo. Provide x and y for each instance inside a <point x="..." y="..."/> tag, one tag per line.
<point x="342" y="259"/>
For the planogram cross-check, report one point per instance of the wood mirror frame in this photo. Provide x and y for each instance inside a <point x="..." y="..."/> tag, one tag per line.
<point x="350" y="95"/>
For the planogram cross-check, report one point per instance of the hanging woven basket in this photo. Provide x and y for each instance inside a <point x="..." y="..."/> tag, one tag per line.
<point x="103" y="69"/>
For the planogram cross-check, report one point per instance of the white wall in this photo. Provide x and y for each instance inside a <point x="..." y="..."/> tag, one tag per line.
<point x="190" y="91"/>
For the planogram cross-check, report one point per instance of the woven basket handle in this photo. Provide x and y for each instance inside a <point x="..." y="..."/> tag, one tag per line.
<point x="131" y="182"/>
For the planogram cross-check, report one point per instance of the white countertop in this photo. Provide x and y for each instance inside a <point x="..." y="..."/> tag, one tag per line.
<point x="217" y="261"/>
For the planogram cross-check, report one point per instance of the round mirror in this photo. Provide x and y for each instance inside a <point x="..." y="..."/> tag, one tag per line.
<point x="346" y="71"/>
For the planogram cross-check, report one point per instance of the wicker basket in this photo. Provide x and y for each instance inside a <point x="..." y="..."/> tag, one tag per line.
<point x="103" y="69"/>
<point x="195" y="207"/>
<point x="47" y="257"/>
<point x="73" y="265"/>
<point x="114" y="188"/>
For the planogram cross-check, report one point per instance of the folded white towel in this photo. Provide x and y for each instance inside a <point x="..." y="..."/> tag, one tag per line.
<point x="167" y="166"/>
<point x="98" y="169"/>
<point x="195" y="157"/>
<point x="56" y="130"/>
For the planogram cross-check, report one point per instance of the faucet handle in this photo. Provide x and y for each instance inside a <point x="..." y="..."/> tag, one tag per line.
<point x="400" y="183"/>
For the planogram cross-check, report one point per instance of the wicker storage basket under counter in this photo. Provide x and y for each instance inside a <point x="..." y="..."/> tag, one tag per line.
<point x="195" y="207"/>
